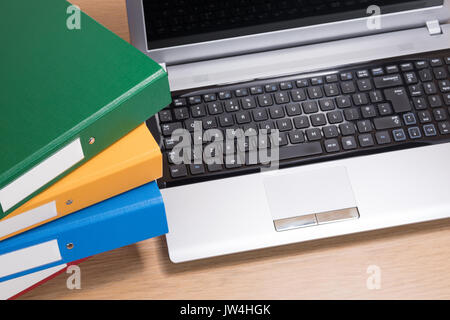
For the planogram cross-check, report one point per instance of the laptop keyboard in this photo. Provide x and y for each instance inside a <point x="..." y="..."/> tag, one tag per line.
<point x="358" y="110"/>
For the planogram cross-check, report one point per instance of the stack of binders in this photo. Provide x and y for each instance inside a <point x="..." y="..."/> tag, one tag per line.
<point x="78" y="164"/>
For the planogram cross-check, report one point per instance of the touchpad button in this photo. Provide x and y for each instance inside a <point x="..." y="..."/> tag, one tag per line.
<point x="295" y="196"/>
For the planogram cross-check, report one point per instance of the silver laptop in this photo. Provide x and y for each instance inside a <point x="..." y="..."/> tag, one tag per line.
<point x="349" y="102"/>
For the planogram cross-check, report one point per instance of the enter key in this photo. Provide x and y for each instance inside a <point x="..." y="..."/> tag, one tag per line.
<point x="399" y="99"/>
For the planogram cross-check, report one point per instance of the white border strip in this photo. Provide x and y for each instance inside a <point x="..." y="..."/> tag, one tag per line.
<point x="28" y="258"/>
<point x="12" y="287"/>
<point x="41" y="174"/>
<point x="28" y="218"/>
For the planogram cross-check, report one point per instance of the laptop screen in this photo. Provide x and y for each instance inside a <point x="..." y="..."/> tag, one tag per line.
<point x="177" y="22"/>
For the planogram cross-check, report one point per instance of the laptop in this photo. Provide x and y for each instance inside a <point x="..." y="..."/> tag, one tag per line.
<point x="297" y="120"/>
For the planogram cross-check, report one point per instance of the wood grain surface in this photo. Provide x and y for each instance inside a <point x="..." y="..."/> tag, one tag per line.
<point x="414" y="260"/>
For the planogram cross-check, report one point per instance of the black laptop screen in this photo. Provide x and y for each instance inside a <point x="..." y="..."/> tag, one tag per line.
<point x="177" y="22"/>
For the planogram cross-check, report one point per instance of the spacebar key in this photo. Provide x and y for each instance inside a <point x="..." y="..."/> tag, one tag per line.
<point x="300" y="150"/>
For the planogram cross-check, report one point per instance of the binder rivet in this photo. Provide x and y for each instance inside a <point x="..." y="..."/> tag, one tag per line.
<point x="69" y="246"/>
<point x="69" y="202"/>
<point x="91" y="140"/>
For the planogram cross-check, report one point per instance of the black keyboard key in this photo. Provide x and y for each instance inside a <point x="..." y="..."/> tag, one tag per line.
<point x="284" y="124"/>
<point x="331" y="90"/>
<point x="377" y="72"/>
<point x="209" y="123"/>
<point x="180" y="102"/>
<point x="256" y="90"/>
<point x="447" y="60"/>
<point x="298" y="95"/>
<point x="399" y="135"/>
<point x="313" y="134"/>
<point x="315" y="92"/>
<point x="195" y="100"/>
<point x="409" y="119"/>
<point x="293" y="109"/>
<point x="198" y="111"/>
<point x="282" y="97"/>
<point x="224" y="95"/>
<point x="214" y="167"/>
<point x="399" y="99"/>
<point x="447" y="99"/>
<point x="300" y="150"/>
<point x="364" y="84"/>
<point x="346" y="76"/>
<point x="265" y="100"/>
<point x="327" y="104"/>
<point x="267" y="125"/>
<point x="349" y="143"/>
<point x="369" y="111"/>
<point x="444" y="86"/>
<point x="364" y="126"/>
<point x="277" y="112"/>
<point x="243" y="117"/>
<point x="416" y="90"/>
<point x="196" y="169"/>
<point x="332" y="145"/>
<point x="330" y="131"/>
<point x="231" y="105"/>
<point x="385" y="109"/>
<point x="214" y="108"/>
<point x="296" y="136"/>
<point x="383" y="137"/>
<point x="241" y="93"/>
<point x="351" y="114"/>
<point x="392" y="69"/>
<point x="430" y="88"/>
<point x="429" y="130"/>
<point x="271" y="87"/>
<point x="420" y="103"/>
<point x="248" y="103"/>
<point x="301" y="122"/>
<point x="331" y="78"/>
<point x="181" y="113"/>
<point x="360" y="99"/>
<point x="407" y="66"/>
<point x="168" y="128"/>
<point x="376" y="96"/>
<point x="390" y="122"/>
<point x="318" y="120"/>
<point x="440" y="73"/>
<point x="444" y="127"/>
<point x="165" y="116"/>
<point x="281" y="141"/>
<point x="424" y="116"/>
<point x="362" y="74"/>
<point x="435" y="101"/>
<point x="316" y="81"/>
<point x="348" y="87"/>
<point x="414" y="133"/>
<point x="425" y="75"/>
<point x="286" y="85"/>
<point x="343" y="102"/>
<point x="260" y="115"/>
<point x="436" y="62"/>
<point x="347" y="129"/>
<point x="421" y="64"/>
<point x="411" y="78"/>
<point x="226" y="120"/>
<point x="366" y="140"/>
<point x="303" y="83"/>
<point x="310" y="107"/>
<point x="209" y="97"/>
<point x="388" y="81"/>
<point x="178" y="171"/>
<point x="440" y="114"/>
<point x="335" y="117"/>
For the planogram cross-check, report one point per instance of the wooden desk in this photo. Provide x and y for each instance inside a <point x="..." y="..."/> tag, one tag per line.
<point x="414" y="260"/>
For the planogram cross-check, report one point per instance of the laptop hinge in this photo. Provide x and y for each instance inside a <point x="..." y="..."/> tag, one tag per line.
<point x="434" y="28"/>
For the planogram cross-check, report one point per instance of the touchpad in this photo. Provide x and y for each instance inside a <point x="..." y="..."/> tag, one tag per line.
<point x="306" y="196"/>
